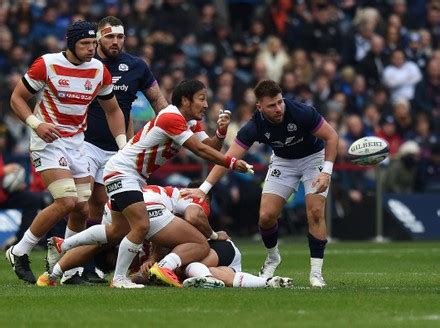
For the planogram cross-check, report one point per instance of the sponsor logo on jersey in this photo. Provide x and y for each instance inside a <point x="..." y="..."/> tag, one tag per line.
<point x="74" y="95"/>
<point x="62" y="161"/>
<point x="123" y="67"/>
<point x="64" y="83"/>
<point x="267" y="135"/>
<point x="88" y="85"/>
<point x="122" y="87"/>
<point x="115" y="79"/>
<point x="287" y="143"/>
<point x="113" y="186"/>
<point x="291" y="127"/>
<point x="275" y="173"/>
<point x="37" y="162"/>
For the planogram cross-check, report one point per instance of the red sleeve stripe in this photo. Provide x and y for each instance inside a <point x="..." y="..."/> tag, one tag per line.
<point x="171" y="123"/>
<point x="37" y="71"/>
<point x="75" y="72"/>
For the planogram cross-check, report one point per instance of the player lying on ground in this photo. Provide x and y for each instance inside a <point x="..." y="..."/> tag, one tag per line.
<point x="222" y="267"/>
<point x="167" y="230"/>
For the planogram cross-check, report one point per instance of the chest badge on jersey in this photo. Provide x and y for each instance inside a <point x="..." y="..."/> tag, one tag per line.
<point x="291" y="127"/>
<point x="88" y="85"/>
<point x="123" y="67"/>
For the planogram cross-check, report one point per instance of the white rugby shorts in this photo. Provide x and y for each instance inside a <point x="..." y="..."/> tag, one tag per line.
<point x="97" y="158"/>
<point x="284" y="175"/>
<point x="158" y="214"/>
<point x="55" y="155"/>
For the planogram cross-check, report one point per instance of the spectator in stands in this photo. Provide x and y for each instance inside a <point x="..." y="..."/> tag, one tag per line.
<point x="358" y="98"/>
<point x="301" y="66"/>
<point x="401" y="76"/>
<point x="403" y="116"/>
<point x="274" y="57"/>
<point x="401" y="174"/>
<point x="355" y="129"/>
<point x="375" y="61"/>
<point x="388" y="132"/>
<point x="427" y="92"/>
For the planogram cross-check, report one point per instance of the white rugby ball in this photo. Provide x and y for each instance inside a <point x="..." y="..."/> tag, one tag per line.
<point x="14" y="180"/>
<point x="368" y="151"/>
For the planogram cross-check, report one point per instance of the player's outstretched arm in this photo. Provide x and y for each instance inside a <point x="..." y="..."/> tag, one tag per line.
<point x="217" y="172"/>
<point x="115" y="119"/>
<point x="210" y="154"/>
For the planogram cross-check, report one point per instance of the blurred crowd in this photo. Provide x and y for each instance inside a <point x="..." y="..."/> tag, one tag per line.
<point x="369" y="67"/>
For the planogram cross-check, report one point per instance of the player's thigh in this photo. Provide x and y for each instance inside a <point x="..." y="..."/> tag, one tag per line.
<point x="178" y="232"/>
<point x="99" y="196"/>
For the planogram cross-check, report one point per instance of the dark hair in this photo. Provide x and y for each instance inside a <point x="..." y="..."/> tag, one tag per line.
<point x="267" y="88"/>
<point x="110" y="20"/>
<point x="187" y="89"/>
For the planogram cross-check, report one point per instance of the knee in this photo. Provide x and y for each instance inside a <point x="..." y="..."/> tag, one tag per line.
<point x="67" y="204"/>
<point x="82" y="209"/>
<point x="141" y="227"/>
<point x="267" y="218"/>
<point x="315" y="214"/>
<point x="204" y="248"/>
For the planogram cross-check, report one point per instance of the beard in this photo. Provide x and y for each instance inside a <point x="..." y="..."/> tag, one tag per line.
<point x="111" y="54"/>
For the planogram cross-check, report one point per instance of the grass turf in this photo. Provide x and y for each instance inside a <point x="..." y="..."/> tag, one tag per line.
<point x="369" y="285"/>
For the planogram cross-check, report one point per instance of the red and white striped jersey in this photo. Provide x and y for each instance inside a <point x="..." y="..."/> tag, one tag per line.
<point x="168" y="196"/>
<point x="65" y="90"/>
<point x="159" y="140"/>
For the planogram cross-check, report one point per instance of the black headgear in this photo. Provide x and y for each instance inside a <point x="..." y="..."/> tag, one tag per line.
<point x="77" y="31"/>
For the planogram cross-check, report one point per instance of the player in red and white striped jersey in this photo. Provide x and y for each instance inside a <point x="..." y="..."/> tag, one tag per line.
<point x="159" y="140"/>
<point x="64" y="84"/>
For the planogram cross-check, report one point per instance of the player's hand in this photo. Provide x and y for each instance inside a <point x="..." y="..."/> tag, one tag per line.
<point x="321" y="182"/>
<point x="187" y="193"/>
<point x="48" y="132"/>
<point x="145" y="267"/>
<point x="243" y="167"/>
<point x="224" y="119"/>
<point x="222" y="235"/>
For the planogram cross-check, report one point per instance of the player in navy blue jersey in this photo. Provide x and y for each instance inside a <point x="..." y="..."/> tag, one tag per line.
<point x="130" y="74"/>
<point x="304" y="149"/>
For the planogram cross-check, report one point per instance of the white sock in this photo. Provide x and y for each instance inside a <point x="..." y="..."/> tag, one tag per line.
<point x="25" y="245"/>
<point x="197" y="269"/>
<point x="127" y="252"/>
<point x="273" y="252"/>
<point x="316" y="264"/>
<point x="56" y="272"/>
<point x="69" y="233"/>
<point x="172" y="261"/>
<point x="247" y="280"/>
<point x="94" y="235"/>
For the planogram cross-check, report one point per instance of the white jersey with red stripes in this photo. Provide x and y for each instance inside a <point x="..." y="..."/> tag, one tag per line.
<point x="168" y="196"/>
<point x="159" y="140"/>
<point x="65" y="91"/>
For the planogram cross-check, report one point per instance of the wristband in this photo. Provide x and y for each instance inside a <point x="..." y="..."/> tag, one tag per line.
<point x="205" y="187"/>
<point x="327" y="168"/>
<point x="33" y="121"/>
<point x="230" y="162"/>
<point x="214" y="235"/>
<point x="121" y="140"/>
<point x="220" y="134"/>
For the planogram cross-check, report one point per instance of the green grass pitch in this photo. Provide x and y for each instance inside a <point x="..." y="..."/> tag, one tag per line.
<point x="369" y="285"/>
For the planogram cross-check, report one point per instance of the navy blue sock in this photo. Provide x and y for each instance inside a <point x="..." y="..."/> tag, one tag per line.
<point x="270" y="236"/>
<point x="317" y="246"/>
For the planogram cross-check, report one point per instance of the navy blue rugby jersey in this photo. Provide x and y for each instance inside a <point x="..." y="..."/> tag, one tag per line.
<point x="130" y="74"/>
<point x="291" y="139"/>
